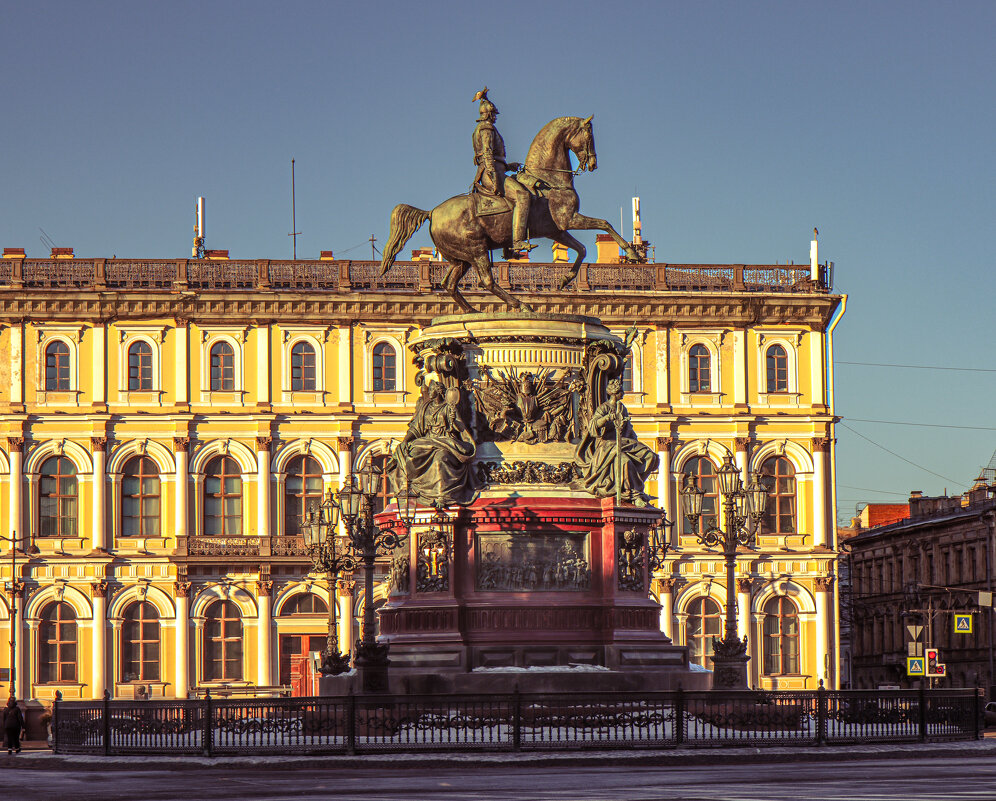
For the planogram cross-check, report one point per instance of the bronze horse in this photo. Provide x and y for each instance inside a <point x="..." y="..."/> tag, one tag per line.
<point x="464" y="237"/>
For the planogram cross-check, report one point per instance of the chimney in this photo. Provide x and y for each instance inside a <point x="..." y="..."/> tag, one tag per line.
<point x="13" y="253"/>
<point x="326" y="255"/>
<point x="560" y="253"/>
<point x="62" y="253"/>
<point x="422" y="254"/>
<point x="814" y="257"/>
<point x="607" y="249"/>
<point x="216" y="255"/>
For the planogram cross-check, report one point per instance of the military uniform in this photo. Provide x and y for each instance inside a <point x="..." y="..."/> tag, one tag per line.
<point x="489" y="156"/>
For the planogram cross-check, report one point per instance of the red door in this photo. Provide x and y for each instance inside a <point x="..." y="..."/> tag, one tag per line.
<point x="294" y="650"/>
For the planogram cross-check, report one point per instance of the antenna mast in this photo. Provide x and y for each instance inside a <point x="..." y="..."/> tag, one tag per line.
<point x="198" y="250"/>
<point x="294" y="232"/>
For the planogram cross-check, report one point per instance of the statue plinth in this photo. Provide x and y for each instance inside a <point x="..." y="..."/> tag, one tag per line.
<point x="520" y="555"/>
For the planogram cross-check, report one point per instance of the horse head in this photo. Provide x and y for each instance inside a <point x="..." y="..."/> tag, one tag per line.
<point x="582" y="144"/>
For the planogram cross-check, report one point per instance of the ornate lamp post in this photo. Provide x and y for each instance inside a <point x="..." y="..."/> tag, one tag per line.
<point x="355" y="502"/>
<point x="332" y="555"/>
<point x="743" y="507"/>
<point x="13" y="587"/>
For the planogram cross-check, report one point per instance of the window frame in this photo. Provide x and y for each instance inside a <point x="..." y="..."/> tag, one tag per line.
<point x="143" y="462"/>
<point x="141" y="367"/>
<point x="225" y="379"/>
<point x="63" y="361"/>
<point x="773" y="508"/>
<point x="711" y="496"/>
<point x="292" y="522"/>
<point x="702" y="637"/>
<point x="54" y="671"/>
<point x="786" y="658"/>
<point x="378" y="362"/>
<point x="222" y="496"/>
<point x="225" y="636"/>
<point x="775" y="373"/>
<point x="144" y="642"/>
<point x="60" y="498"/>
<point x="695" y="367"/>
<point x="301" y="383"/>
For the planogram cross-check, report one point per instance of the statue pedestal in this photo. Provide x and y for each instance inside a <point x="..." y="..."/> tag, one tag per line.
<point x="531" y="571"/>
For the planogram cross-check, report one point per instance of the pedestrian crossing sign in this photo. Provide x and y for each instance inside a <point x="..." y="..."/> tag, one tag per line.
<point x="914" y="666"/>
<point x="963" y="624"/>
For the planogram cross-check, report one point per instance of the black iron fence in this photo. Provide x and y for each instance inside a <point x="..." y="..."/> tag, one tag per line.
<point x="512" y="722"/>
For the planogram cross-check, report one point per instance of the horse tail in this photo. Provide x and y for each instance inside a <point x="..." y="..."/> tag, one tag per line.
<point x="405" y="221"/>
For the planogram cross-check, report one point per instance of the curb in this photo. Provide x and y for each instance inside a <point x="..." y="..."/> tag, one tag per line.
<point x="44" y="760"/>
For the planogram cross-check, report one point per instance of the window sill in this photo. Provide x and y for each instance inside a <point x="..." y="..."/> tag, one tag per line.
<point x="223" y="397"/>
<point x="58" y="397"/>
<point x="313" y="397"/>
<point x="141" y="397"/>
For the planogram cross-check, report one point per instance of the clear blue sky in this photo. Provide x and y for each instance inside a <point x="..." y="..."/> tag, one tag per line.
<point x="740" y="125"/>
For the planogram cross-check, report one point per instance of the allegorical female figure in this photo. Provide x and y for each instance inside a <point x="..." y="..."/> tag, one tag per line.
<point x="598" y="450"/>
<point x="434" y="458"/>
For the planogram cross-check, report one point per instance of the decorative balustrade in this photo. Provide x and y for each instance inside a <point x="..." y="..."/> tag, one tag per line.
<point x="288" y="546"/>
<point x="223" y="546"/>
<point x="410" y="277"/>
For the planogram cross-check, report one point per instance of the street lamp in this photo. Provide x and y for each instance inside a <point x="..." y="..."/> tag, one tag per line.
<point x="355" y="502"/>
<point x="13" y="586"/>
<point x="743" y="507"/>
<point x="332" y="555"/>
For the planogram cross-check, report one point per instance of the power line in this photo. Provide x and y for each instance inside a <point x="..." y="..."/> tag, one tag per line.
<point x="922" y="425"/>
<point x="901" y="458"/>
<point x="866" y="489"/>
<point x="920" y="367"/>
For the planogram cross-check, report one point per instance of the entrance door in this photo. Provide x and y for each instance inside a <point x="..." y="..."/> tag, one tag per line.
<point x="292" y="648"/>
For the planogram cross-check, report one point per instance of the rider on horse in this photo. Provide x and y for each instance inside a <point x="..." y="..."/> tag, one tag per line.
<point x="489" y="156"/>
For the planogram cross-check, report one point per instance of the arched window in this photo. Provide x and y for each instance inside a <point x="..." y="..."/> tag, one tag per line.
<point x="698" y="369"/>
<point x="57" y="644"/>
<point x="781" y="637"/>
<point x="140" y="498"/>
<point x="304" y="376"/>
<point x="302" y="492"/>
<point x="307" y="603"/>
<point x="776" y="362"/>
<point x="383" y="368"/>
<point x="140" y="643"/>
<point x="222" y="498"/>
<point x="778" y="474"/>
<point x="705" y="621"/>
<point x="222" y="367"/>
<point x="57" y="494"/>
<point x="627" y="376"/>
<point x="704" y="472"/>
<point x="57" y="367"/>
<point x="223" y="642"/>
<point x="140" y="366"/>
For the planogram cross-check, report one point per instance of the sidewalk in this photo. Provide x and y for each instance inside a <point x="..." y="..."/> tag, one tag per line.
<point x="37" y="756"/>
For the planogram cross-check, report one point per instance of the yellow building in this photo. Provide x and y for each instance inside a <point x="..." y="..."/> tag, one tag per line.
<point x="166" y="422"/>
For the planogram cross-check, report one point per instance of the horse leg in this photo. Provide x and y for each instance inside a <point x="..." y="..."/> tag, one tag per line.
<point x="580" y="222"/>
<point x="452" y="281"/>
<point x="483" y="265"/>
<point x="565" y="238"/>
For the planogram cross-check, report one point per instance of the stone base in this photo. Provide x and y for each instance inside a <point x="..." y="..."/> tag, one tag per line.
<point x="729" y="672"/>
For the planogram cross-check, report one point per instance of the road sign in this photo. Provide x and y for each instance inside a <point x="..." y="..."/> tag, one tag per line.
<point x="914" y="666"/>
<point x="963" y="623"/>
<point x="915" y="631"/>
<point x="915" y="648"/>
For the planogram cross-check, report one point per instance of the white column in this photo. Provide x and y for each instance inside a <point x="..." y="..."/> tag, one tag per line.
<point x="180" y="446"/>
<point x="344" y="450"/>
<point x="21" y="647"/>
<point x="181" y="359"/>
<point x="263" y="486"/>
<point x="264" y="649"/>
<point x="739" y="368"/>
<point x="740" y="457"/>
<point x="15" y="525"/>
<point x="98" y="642"/>
<point x="824" y="587"/>
<point x="743" y="608"/>
<point x="344" y="597"/>
<point x="180" y="681"/>
<point x="821" y="455"/>
<point x="98" y="365"/>
<point x="667" y="607"/>
<point x="664" y="491"/>
<point x="262" y="364"/>
<point x="99" y="525"/>
<point x="345" y="365"/>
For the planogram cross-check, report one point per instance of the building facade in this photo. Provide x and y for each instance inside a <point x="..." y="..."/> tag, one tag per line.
<point x="163" y="425"/>
<point x="919" y="571"/>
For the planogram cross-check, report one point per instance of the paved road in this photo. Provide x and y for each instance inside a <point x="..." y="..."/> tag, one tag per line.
<point x="960" y="779"/>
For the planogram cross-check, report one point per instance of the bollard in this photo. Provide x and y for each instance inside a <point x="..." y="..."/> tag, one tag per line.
<point x="107" y="722"/>
<point x="55" y="721"/>
<point x="208" y="723"/>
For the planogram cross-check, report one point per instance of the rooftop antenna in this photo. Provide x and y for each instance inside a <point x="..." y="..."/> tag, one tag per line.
<point x="294" y="232"/>
<point x="199" y="228"/>
<point x="373" y="250"/>
<point x="46" y="240"/>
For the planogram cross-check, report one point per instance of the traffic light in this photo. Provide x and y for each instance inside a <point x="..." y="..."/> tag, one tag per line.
<point x="933" y="657"/>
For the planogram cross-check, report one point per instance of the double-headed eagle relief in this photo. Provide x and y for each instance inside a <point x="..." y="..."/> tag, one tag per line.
<point x="527" y="407"/>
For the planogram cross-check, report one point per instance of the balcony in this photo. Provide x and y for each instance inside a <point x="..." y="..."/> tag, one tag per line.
<point x="239" y="547"/>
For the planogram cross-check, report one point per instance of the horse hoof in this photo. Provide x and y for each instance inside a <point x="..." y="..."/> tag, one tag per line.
<point x="565" y="282"/>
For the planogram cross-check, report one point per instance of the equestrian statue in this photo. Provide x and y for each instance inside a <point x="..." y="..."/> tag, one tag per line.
<point x="503" y="210"/>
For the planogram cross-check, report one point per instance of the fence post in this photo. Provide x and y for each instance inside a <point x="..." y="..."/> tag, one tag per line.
<point x="208" y="723"/>
<point x="55" y="721"/>
<point x="977" y="709"/>
<point x="516" y="719"/>
<point x="821" y="714"/>
<point x="351" y="722"/>
<point x="679" y="716"/>
<point x="923" y="713"/>
<point x="107" y="722"/>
